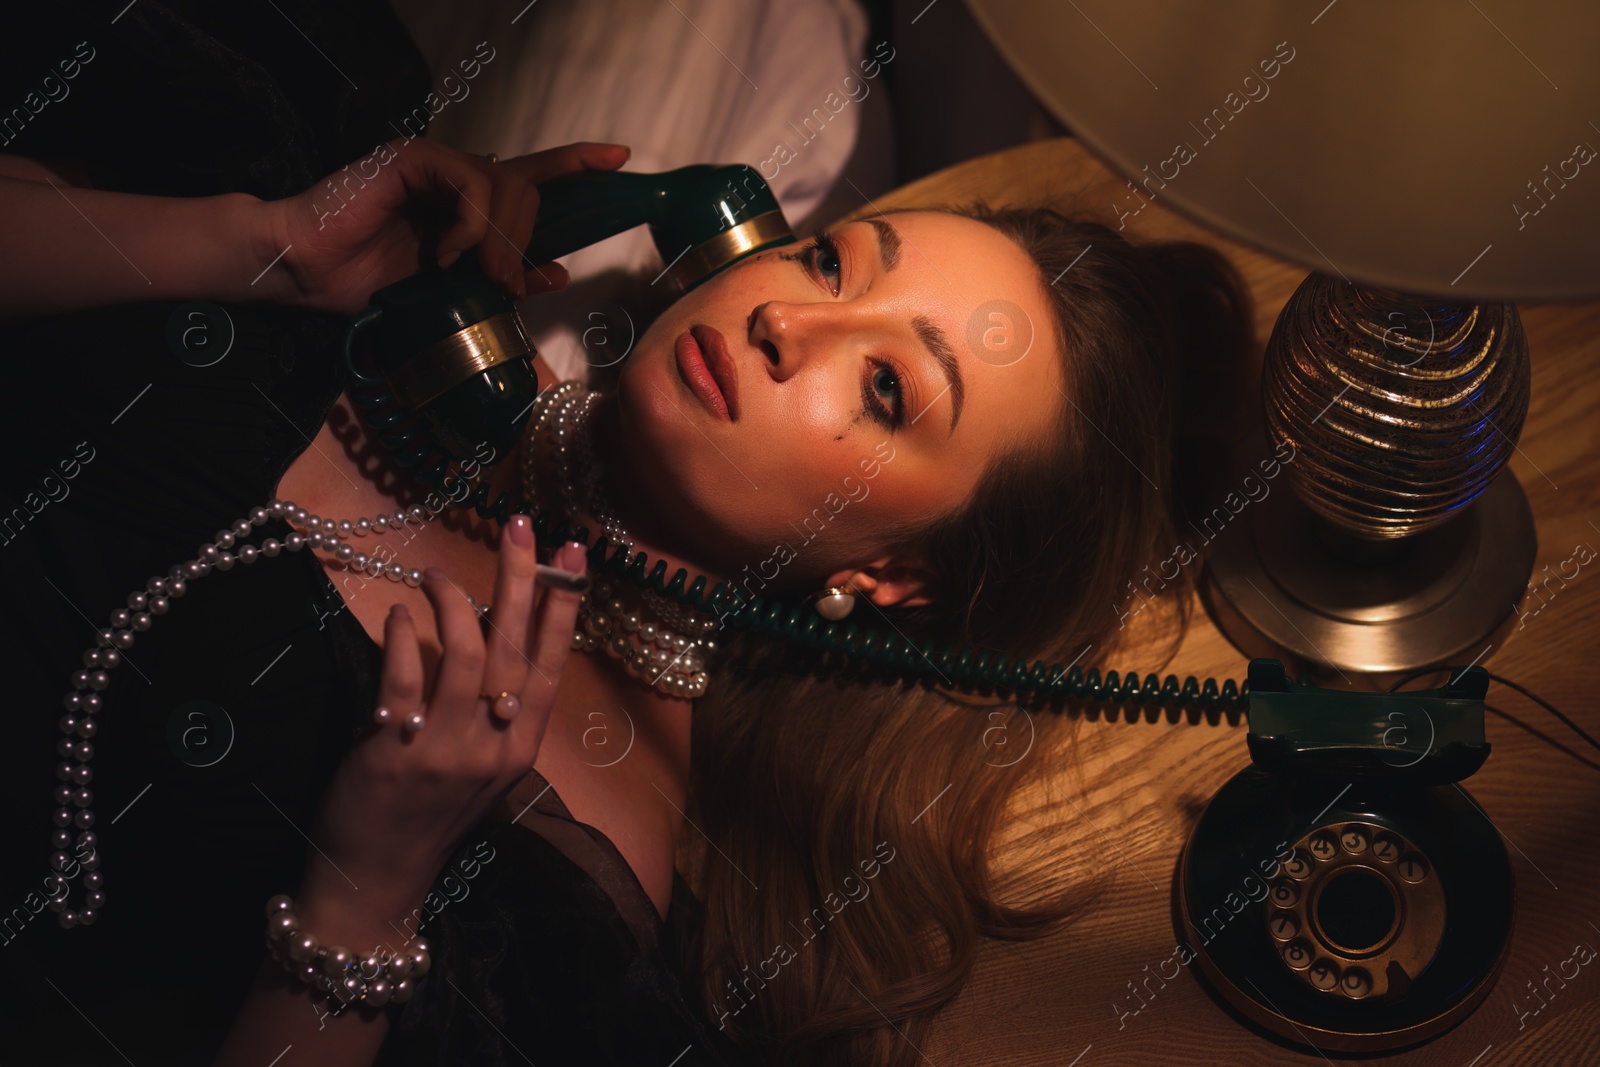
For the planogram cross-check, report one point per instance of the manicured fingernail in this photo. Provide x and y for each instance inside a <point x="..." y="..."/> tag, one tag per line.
<point x="521" y="531"/>
<point x="572" y="556"/>
<point x="399" y="611"/>
<point x="436" y="573"/>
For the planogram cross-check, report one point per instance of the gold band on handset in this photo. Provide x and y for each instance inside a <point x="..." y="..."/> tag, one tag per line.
<point x="448" y="362"/>
<point x="726" y="247"/>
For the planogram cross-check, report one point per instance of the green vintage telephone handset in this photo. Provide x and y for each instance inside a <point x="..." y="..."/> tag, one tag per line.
<point x="452" y="367"/>
<point x="1384" y="915"/>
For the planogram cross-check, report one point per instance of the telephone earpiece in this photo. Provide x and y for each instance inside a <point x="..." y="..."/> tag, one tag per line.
<point x="1345" y="892"/>
<point x="440" y="363"/>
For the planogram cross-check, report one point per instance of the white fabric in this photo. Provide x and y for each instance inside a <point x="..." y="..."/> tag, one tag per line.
<point x="678" y="81"/>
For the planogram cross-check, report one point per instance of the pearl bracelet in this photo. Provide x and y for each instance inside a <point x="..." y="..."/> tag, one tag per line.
<point x="381" y="977"/>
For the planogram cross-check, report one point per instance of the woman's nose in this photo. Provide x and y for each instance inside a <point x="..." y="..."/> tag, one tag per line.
<point x="792" y="334"/>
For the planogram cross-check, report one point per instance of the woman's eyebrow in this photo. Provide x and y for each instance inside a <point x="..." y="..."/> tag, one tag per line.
<point x="933" y="339"/>
<point x="888" y="244"/>
<point x="938" y="346"/>
<point x="928" y="332"/>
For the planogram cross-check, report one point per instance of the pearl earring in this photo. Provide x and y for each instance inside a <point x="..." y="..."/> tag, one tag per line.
<point x="833" y="603"/>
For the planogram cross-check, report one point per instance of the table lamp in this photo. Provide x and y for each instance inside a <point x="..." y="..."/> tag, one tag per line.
<point x="1429" y="162"/>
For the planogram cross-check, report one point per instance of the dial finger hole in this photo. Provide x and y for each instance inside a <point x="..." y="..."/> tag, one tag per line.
<point x="1324" y="974"/>
<point x="1297" y="954"/>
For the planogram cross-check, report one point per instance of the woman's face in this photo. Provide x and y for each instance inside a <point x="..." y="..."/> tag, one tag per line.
<point x="875" y="380"/>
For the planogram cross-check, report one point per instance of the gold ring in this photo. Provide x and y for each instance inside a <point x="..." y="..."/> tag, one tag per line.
<point x="492" y="158"/>
<point x="504" y="705"/>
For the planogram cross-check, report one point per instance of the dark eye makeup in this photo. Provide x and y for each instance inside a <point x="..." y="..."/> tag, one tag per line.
<point x="821" y="259"/>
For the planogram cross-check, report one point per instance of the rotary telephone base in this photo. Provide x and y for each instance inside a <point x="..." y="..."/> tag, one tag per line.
<point x="1345" y="892"/>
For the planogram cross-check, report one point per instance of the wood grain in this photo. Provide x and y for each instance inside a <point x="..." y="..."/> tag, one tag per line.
<point x="1139" y="786"/>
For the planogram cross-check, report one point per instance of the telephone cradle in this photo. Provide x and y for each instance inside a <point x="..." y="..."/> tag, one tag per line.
<point x="1344" y="891"/>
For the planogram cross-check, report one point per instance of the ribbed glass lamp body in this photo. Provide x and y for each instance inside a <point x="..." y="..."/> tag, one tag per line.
<point x="1401" y="410"/>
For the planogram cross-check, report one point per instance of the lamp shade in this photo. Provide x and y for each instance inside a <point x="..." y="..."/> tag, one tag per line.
<point x="1447" y="148"/>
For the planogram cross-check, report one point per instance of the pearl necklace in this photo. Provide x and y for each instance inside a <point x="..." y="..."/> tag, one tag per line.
<point x="674" y="662"/>
<point x="671" y="662"/>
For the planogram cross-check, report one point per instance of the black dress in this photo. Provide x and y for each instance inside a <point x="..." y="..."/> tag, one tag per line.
<point x="228" y="717"/>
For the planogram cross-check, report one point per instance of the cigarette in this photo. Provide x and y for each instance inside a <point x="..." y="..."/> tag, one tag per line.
<point x="556" y="578"/>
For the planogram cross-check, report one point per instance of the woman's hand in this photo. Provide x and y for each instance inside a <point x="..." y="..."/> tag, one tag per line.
<point x="402" y="800"/>
<point x="373" y="222"/>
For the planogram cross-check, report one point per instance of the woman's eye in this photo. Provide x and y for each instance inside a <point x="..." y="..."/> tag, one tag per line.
<point x="823" y="259"/>
<point x="882" y="394"/>
<point x="883" y="383"/>
<point x="820" y="259"/>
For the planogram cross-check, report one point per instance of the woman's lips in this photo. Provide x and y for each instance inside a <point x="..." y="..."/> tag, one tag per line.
<point x="714" y="350"/>
<point x="706" y="367"/>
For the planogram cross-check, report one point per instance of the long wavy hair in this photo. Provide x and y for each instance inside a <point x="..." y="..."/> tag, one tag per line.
<point x="867" y="833"/>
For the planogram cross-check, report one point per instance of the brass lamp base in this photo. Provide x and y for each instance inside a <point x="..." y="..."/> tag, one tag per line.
<point x="1283" y="583"/>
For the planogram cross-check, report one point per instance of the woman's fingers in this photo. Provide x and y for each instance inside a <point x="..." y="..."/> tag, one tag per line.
<point x="520" y="234"/>
<point x="510" y="214"/>
<point x="557" y="615"/>
<point x="342" y="251"/>
<point x="513" y="608"/>
<point x="581" y="155"/>
<point x="456" y="689"/>
<point x="400" y="688"/>
<point x="556" y="619"/>
<point x="445" y="172"/>
<point x="514" y="208"/>
<point x="546" y="277"/>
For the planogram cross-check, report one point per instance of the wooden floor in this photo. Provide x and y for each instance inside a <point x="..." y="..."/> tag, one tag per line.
<point x="1144" y="784"/>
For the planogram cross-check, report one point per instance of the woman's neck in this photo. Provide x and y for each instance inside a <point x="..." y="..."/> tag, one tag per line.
<point x="630" y="506"/>
<point x="629" y="501"/>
